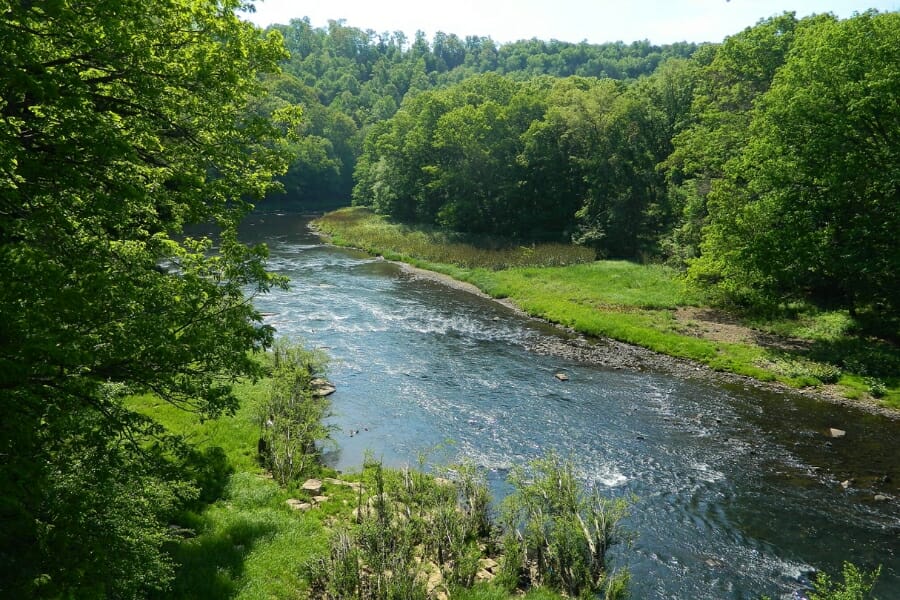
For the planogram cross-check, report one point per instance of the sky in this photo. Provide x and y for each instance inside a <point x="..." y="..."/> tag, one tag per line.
<point x="597" y="21"/>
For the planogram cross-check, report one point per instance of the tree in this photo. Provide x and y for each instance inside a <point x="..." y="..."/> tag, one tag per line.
<point x="809" y="210"/>
<point x="731" y="77"/>
<point x="120" y="127"/>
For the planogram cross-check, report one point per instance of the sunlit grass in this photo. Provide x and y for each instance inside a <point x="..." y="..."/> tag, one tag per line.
<point x="245" y="542"/>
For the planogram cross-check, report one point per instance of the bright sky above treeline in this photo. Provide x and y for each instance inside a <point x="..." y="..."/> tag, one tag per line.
<point x="597" y="21"/>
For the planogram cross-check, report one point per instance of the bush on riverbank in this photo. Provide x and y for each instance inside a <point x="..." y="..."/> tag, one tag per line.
<point x="649" y="306"/>
<point x="292" y="415"/>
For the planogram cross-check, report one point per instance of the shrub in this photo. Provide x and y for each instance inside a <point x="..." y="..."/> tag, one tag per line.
<point x="558" y="534"/>
<point x="292" y="416"/>
<point x="856" y="585"/>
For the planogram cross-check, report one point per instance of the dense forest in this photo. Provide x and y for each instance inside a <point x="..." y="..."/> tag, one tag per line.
<point x="348" y="80"/>
<point x="766" y="165"/>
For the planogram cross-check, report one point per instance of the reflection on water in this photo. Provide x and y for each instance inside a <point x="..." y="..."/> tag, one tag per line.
<point x="738" y="490"/>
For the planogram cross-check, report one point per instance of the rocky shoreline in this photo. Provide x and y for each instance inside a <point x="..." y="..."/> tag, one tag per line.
<point x="610" y="353"/>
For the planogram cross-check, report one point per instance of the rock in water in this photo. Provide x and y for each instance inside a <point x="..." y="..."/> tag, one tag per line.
<point x="321" y="387"/>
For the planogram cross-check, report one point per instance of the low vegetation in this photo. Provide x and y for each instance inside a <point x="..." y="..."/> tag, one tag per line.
<point x="424" y="245"/>
<point x="647" y="305"/>
<point x="382" y="533"/>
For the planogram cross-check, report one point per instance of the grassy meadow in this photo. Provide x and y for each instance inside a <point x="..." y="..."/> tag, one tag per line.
<point x="243" y="542"/>
<point x="645" y="305"/>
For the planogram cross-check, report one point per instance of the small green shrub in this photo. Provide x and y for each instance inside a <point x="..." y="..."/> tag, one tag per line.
<point x="803" y="372"/>
<point x="292" y="415"/>
<point x="856" y="585"/>
<point x="560" y="534"/>
<point x="877" y="388"/>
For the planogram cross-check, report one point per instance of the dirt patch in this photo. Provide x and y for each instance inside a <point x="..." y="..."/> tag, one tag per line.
<point x="718" y="326"/>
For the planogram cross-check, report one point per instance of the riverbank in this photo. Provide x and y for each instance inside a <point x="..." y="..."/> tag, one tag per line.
<point x="248" y="537"/>
<point x="633" y="316"/>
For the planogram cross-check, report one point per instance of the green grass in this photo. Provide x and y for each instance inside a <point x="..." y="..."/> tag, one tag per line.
<point x="635" y="304"/>
<point x="246" y="542"/>
<point x="356" y="227"/>
<point x="605" y="284"/>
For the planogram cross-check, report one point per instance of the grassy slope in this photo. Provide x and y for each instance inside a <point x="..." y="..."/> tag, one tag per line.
<point x="632" y="303"/>
<point x="248" y="543"/>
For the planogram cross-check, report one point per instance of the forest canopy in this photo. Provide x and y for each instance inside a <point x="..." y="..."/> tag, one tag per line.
<point x="682" y="153"/>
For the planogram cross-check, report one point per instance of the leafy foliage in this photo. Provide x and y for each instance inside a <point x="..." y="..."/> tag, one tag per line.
<point x="348" y="80"/>
<point x="421" y="537"/>
<point x="414" y="535"/>
<point x="809" y="209"/>
<point x="120" y="126"/>
<point x="558" y="534"/>
<point x="856" y="585"/>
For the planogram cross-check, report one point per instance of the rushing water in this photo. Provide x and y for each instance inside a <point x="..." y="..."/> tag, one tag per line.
<point x="738" y="491"/>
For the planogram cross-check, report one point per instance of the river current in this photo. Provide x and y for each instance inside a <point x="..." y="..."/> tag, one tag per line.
<point x="738" y="491"/>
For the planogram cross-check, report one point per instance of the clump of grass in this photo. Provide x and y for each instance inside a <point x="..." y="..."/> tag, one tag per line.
<point x="558" y="534"/>
<point x="804" y="372"/>
<point x="414" y="536"/>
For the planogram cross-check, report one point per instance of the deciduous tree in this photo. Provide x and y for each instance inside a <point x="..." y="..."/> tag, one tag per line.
<point x="120" y="124"/>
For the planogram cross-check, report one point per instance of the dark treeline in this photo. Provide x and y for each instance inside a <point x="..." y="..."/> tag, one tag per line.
<point x="347" y="79"/>
<point x="767" y="165"/>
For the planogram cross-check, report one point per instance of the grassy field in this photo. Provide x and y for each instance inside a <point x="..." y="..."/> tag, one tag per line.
<point x="646" y="305"/>
<point x="248" y="543"/>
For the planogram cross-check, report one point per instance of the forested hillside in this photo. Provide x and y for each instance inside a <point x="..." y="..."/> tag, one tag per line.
<point x="766" y="165"/>
<point x="347" y="79"/>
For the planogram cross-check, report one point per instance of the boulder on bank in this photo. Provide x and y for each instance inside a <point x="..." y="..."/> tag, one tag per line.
<point x="312" y="485"/>
<point x="321" y="387"/>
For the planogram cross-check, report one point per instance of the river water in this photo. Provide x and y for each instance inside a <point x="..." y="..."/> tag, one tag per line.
<point x="738" y="490"/>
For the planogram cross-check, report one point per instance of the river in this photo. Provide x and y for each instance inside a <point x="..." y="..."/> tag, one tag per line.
<point x="738" y="490"/>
